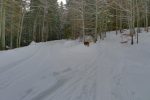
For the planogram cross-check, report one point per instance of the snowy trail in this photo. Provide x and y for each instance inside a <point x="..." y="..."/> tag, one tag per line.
<point x="76" y="78"/>
<point x="8" y="81"/>
<point x="67" y="70"/>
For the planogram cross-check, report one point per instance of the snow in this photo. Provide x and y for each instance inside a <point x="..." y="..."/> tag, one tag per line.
<point x="68" y="70"/>
<point x="64" y="1"/>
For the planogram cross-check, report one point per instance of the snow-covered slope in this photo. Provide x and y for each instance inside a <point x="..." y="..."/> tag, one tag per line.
<point x="67" y="70"/>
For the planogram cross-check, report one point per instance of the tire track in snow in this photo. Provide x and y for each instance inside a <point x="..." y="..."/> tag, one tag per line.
<point x="71" y="84"/>
<point x="88" y="82"/>
<point x="36" y="75"/>
<point x="104" y="75"/>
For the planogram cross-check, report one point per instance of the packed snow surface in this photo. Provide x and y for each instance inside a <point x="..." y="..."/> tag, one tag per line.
<point x="68" y="70"/>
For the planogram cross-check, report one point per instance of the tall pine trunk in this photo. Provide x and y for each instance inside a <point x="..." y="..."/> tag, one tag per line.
<point x="3" y="25"/>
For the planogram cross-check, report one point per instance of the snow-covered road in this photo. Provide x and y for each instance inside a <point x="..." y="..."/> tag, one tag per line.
<point x="67" y="70"/>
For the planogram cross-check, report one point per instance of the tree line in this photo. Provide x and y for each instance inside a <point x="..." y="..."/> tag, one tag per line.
<point x="99" y="16"/>
<point x="23" y="21"/>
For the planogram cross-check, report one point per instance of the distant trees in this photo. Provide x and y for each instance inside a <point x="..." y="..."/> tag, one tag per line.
<point x="135" y="14"/>
<point x="12" y="13"/>
<point x="23" y="21"/>
<point x="106" y="15"/>
<point x="95" y="16"/>
<point x="45" y="20"/>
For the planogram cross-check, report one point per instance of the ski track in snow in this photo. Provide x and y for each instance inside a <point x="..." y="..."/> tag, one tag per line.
<point x="67" y="70"/>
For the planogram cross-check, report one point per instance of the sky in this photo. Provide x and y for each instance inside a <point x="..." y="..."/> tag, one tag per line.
<point x="64" y="1"/>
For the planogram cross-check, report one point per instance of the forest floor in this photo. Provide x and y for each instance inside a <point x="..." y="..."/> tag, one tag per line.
<point x="68" y="70"/>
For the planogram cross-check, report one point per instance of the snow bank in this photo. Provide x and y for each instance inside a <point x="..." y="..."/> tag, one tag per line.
<point x="33" y="43"/>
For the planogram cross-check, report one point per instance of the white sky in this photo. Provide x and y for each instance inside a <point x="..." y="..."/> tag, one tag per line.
<point x="64" y="1"/>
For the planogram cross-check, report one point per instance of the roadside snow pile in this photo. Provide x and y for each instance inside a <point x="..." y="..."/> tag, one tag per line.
<point x="68" y="70"/>
<point x="33" y="43"/>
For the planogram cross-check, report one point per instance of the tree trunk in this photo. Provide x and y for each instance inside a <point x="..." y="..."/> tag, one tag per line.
<point x="96" y="21"/>
<point x="43" y="25"/>
<point x="21" y="29"/>
<point x="83" y="25"/>
<point x="3" y="25"/>
<point x="146" y="12"/>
